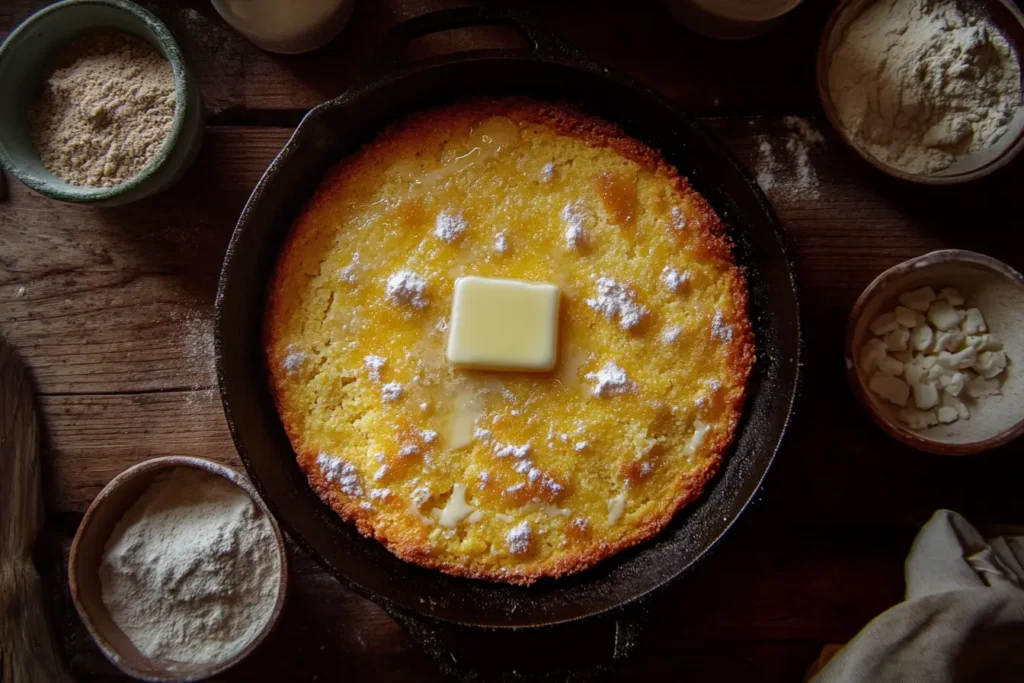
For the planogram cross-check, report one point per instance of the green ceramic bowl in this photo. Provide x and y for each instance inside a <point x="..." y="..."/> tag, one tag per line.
<point x="24" y="59"/>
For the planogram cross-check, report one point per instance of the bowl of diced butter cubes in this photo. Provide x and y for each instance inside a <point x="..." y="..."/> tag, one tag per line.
<point x="935" y="352"/>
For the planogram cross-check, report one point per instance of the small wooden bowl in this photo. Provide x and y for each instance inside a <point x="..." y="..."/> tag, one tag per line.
<point x="992" y="286"/>
<point x="1010" y="21"/>
<point x="87" y="551"/>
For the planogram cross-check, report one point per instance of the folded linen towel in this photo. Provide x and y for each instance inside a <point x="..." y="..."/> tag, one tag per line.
<point x="962" y="620"/>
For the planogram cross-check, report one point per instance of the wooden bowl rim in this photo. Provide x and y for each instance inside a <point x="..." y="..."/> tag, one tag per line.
<point x="150" y="467"/>
<point x="892" y="427"/>
<point x="823" y="61"/>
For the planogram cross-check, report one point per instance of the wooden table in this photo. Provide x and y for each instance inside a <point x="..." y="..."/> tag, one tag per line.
<point x="112" y="308"/>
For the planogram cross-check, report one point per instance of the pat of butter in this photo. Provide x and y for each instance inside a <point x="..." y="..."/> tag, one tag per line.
<point x="503" y="325"/>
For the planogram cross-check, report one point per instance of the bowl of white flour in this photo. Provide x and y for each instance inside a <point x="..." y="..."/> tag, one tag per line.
<point x="178" y="569"/>
<point x="927" y="91"/>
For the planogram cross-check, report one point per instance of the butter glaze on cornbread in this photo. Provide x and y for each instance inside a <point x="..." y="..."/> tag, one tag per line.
<point x="496" y="475"/>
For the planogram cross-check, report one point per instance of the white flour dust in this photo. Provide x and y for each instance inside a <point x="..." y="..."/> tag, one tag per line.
<point x="783" y="166"/>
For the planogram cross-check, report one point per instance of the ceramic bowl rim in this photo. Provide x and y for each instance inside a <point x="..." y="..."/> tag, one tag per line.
<point x="888" y="425"/>
<point x="86" y="195"/>
<point x="823" y="62"/>
<point x="151" y="467"/>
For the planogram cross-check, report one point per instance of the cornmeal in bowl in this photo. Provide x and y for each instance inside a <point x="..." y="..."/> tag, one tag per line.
<point x="508" y="475"/>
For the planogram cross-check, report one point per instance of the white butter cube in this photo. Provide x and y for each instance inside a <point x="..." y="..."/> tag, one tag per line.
<point x="890" y="366"/>
<point x="951" y="295"/>
<point x="974" y="322"/>
<point x="906" y="317"/>
<point x="919" y="299"/>
<point x="990" y="363"/>
<point x="872" y="354"/>
<point x="953" y="384"/>
<point x="985" y="342"/>
<point x="948" y="341"/>
<point x="961" y="410"/>
<point x="897" y="339"/>
<point x="979" y="387"/>
<point x="947" y="414"/>
<point x="892" y="389"/>
<point x="925" y="395"/>
<point x="958" y="361"/>
<point x="884" y="324"/>
<point x="913" y="372"/>
<point x="501" y="324"/>
<point x="904" y="356"/>
<point x="943" y="316"/>
<point x="921" y="338"/>
<point x="916" y="419"/>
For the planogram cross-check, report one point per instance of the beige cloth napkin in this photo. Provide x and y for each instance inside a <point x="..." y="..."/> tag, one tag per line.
<point x="962" y="620"/>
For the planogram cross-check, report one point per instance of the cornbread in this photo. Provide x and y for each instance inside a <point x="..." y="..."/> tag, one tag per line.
<point x="508" y="476"/>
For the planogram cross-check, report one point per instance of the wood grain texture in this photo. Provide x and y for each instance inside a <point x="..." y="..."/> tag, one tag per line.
<point x="28" y="649"/>
<point x="112" y="309"/>
<point x="783" y="612"/>
<point x="240" y="82"/>
<point x="134" y="316"/>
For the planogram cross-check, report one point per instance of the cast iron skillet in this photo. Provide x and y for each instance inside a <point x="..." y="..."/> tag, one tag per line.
<point x="548" y="70"/>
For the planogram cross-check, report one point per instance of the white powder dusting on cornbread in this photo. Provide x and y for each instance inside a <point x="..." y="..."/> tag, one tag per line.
<point x="677" y="219"/>
<point x="574" y="216"/>
<point x="719" y="329"/>
<point x="408" y="450"/>
<point x="392" y="391"/>
<point x="501" y="242"/>
<point x="616" y="301"/>
<point x="292" y="363"/>
<point x="518" y="538"/>
<point x="673" y="279"/>
<point x="611" y="380"/>
<point x="671" y="334"/>
<point x="406" y="288"/>
<point x="349" y="274"/>
<point x="341" y="471"/>
<point x="449" y="226"/>
<point x="505" y="450"/>
<point x="375" y="364"/>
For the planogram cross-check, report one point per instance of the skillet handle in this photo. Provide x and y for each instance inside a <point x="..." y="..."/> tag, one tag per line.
<point x="577" y="652"/>
<point x="543" y="43"/>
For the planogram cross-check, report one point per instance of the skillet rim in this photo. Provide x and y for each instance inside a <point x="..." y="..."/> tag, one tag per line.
<point x="792" y="378"/>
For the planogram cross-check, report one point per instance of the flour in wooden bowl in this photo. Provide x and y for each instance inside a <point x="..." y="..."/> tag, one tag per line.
<point x="920" y="85"/>
<point x="105" y="110"/>
<point x="191" y="574"/>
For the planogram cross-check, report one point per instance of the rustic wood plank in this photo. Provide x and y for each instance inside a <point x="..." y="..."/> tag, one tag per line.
<point x="820" y="480"/>
<point x="112" y="307"/>
<point x="806" y="591"/>
<point x="641" y="40"/>
<point x="94" y="437"/>
<point x="153" y="265"/>
<point x="119" y="300"/>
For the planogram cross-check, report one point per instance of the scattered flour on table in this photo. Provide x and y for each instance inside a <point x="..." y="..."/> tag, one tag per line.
<point x="198" y="341"/>
<point x="921" y="83"/>
<point x="191" y="572"/>
<point x="784" y="165"/>
<point x="197" y="335"/>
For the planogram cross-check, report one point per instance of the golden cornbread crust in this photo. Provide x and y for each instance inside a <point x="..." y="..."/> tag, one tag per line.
<point x="593" y="474"/>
